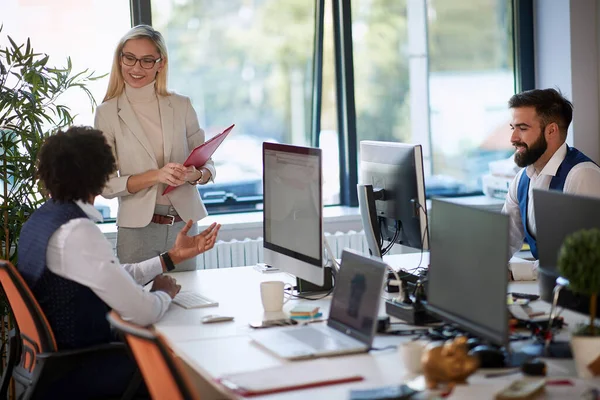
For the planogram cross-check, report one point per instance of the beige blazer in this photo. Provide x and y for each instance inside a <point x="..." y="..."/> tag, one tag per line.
<point x="133" y="154"/>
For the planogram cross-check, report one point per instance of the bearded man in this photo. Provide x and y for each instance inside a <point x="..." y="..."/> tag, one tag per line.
<point x="540" y="120"/>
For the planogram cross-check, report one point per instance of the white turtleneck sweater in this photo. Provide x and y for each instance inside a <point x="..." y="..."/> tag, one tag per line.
<point x="145" y="105"/>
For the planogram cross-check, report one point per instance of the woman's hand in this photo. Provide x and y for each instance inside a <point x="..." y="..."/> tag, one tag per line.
<point x="197" y="176"/>
<point x="192" y="174"/>
<point x="172" y="174"/>
<point x="206" y="175"/>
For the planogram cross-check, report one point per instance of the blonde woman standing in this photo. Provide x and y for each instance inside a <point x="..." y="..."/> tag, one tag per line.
<point x="151" y="132"/>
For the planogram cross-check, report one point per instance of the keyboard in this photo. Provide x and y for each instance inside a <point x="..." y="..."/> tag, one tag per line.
<point x="527" y="296"/>
<point x="193" y="300"/>
<point x="319" y="340"/>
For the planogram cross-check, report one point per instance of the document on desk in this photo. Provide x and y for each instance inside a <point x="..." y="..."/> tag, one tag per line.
<point x="293" y="376"/>
<point x="522" y="269"/>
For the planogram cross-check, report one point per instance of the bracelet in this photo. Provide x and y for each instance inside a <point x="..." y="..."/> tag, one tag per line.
<point x="197" y="181"/>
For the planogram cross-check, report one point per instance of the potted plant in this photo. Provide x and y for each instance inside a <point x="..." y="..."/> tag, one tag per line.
<point x="29" y="112"/>
<point x="579" y="263"/>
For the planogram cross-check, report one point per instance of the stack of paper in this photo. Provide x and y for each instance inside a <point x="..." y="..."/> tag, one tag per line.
<point x="293" y="376"/>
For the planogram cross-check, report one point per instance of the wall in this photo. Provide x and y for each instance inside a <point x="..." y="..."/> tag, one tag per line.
<point x="566" y="57"/>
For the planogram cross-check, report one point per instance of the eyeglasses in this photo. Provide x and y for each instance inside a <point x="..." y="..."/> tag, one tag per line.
<point x="146" y="62"/>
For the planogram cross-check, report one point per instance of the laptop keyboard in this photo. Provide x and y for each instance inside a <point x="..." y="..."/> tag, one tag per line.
<point x="317" y="339"/>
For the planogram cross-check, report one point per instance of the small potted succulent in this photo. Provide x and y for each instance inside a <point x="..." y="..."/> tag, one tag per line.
<point x="579" y="262"/>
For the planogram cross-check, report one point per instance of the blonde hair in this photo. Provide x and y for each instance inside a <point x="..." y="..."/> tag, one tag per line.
<point x="116" y="83"/>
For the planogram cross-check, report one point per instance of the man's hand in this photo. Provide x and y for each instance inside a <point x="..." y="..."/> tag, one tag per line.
<point x="166" y="284"/>
<point x="172" y="174"/>
<point x="190" y="246"/>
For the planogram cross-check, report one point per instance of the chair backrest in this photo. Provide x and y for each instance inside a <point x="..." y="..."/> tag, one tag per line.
<point x="35" y="333"/>
<point x="164" y="374"/>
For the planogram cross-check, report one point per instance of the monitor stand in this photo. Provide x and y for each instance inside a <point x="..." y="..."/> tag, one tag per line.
<point x="305" y="287"/>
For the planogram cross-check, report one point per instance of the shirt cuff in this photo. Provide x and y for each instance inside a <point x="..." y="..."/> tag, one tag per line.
<point x="212" y="170"/>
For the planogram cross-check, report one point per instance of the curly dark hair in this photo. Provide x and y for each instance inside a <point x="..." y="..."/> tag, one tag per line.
<point x="550" y="105"/>
<point x="76" y="164"/>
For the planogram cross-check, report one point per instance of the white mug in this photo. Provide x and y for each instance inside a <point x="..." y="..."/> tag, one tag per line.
<point x="271" y="294"/>
<point x="411" y="353"/>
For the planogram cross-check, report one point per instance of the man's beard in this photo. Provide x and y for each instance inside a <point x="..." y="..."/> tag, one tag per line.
<point x="531" y="153"/>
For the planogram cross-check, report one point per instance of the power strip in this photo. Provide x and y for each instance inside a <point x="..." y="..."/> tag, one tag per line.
<point x="412" y="314"/>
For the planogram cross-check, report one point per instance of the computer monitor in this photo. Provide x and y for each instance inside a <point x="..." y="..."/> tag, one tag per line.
<point x="468" y="275"/>
<point x="557" y="215"/>
<point x="293" y="210"/>
<point x="391" y="195"/>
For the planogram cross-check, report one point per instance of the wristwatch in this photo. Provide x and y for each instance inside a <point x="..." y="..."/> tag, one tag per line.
<point x="168" y="261"/>
<point x="197" y="181"/>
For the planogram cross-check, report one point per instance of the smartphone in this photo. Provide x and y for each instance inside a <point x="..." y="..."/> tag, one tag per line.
<point x="273" y="322"/>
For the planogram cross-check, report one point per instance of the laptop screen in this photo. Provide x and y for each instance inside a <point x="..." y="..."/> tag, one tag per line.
<point x="356" y="296"/>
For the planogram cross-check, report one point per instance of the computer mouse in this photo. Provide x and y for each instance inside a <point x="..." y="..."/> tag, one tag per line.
<point x="489" y="356"/>
<point x="209" y="319"/>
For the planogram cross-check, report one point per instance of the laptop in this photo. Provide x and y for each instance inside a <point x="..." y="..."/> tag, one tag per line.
<point x="352" y="315"/>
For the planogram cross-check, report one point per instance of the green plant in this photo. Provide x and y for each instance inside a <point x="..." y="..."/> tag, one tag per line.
<point x="29" y="113"/>
<point x="579" y="262"/>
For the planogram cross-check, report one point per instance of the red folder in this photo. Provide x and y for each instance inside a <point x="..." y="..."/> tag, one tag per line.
<point x="202" y="153"/>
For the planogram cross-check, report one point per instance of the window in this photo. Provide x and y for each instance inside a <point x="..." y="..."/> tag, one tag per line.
<point x="471" y="78"/>
<point x="248" y="63"/>
<point x="75" y="29"/>
<point x="434" y="72"/>
<point x="437" y="73"/>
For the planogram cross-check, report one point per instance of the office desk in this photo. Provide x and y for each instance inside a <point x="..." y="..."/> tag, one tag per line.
<point x="211" y="350"/>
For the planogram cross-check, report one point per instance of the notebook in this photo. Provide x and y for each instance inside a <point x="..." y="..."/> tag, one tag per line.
<point x="202" y="153"/>
<point x="352" y="315"/>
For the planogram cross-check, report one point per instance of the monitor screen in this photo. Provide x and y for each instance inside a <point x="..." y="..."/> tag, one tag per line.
<point x="468" y="274"/>
<point x="576" y="213"/>
<point x="556" y="216"/>
<point x="394" y="172"/>
<point x="293" y="210"/>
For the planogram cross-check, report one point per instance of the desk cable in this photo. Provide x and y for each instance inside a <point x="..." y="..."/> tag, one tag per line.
<point x="299" y="296"/>
<point x="331" y="256"/>
<point x="425" y="234"/>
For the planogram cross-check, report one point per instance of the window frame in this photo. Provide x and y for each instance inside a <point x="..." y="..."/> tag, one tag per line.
<point x="524" y="72"/>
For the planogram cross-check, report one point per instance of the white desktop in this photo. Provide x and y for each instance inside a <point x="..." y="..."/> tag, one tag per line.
<point x="293" y="210"/>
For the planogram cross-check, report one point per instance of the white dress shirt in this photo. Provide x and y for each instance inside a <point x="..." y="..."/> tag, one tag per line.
<point x="583" y="179"/>
<point x="78" y="251"/>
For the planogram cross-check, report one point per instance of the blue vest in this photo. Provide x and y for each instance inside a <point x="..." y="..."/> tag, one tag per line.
<point x="77" y="316"/>
<point x="572" y="158"/>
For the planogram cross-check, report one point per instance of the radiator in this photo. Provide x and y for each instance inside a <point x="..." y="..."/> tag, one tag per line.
<point x="237" y="253"/>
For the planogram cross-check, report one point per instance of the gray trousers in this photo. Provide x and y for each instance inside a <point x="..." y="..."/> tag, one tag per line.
<point x="139" y="244"/>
